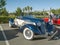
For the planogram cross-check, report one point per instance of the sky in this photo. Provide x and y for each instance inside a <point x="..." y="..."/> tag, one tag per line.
<point x="38" y="5"/>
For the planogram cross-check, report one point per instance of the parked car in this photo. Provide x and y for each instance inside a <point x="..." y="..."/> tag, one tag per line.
<point x="55" y="20"/>
<point x="31" y="26"/>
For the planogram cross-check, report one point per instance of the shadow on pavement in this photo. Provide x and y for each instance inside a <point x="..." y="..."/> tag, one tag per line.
<point x="10" y="34"/>
<point x="1" y="36"/>
<point x="39" y="38"/>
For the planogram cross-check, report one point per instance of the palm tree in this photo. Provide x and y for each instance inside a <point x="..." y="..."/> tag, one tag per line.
<point x="18" y="11"/>
<point x="24" y="10"/>
<point x="31" y="9"/>
<point x="27" y="9"/>
<point x="43" y="11"/>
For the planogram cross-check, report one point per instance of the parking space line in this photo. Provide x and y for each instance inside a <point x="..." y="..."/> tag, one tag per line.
<point x="6" y="41"/>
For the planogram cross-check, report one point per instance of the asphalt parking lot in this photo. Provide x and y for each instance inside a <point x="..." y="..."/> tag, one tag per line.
<point x="12" y="36"/>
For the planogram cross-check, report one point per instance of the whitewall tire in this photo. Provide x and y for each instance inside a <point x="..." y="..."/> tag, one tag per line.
<point x="28" y="34"/>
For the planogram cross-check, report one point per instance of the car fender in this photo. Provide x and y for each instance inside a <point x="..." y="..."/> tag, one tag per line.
<point x="11" y="21"/>
<point x="31" y="27"/>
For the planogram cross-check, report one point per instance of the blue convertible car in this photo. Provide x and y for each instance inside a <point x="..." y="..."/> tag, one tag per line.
<point x="31" y="26"/>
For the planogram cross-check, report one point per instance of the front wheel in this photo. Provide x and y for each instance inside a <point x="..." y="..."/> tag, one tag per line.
<point x="28" y="34"/>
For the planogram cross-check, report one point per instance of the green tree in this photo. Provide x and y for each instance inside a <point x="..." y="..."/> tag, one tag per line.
<point x="58" y="10"/>
<point x="53" y="11"/>
<point x="4" y="12"/>
<point x="2" y="4"/>
<point x="31" y="9"/>
<point x="27" y="9"/>
<point x="18" y="11"/>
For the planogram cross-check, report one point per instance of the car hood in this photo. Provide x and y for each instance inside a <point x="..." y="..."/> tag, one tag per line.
<point x="33" y="19"/>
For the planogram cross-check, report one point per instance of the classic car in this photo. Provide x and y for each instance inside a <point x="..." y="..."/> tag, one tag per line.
<point x="55" y="20"/>
<point x="31" y="26"/>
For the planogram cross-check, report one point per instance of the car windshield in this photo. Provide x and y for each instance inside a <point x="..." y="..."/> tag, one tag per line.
<point x="30" y="16"/>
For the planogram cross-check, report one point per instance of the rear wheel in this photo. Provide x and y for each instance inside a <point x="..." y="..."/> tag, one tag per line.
<point x="28" y="34"/>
